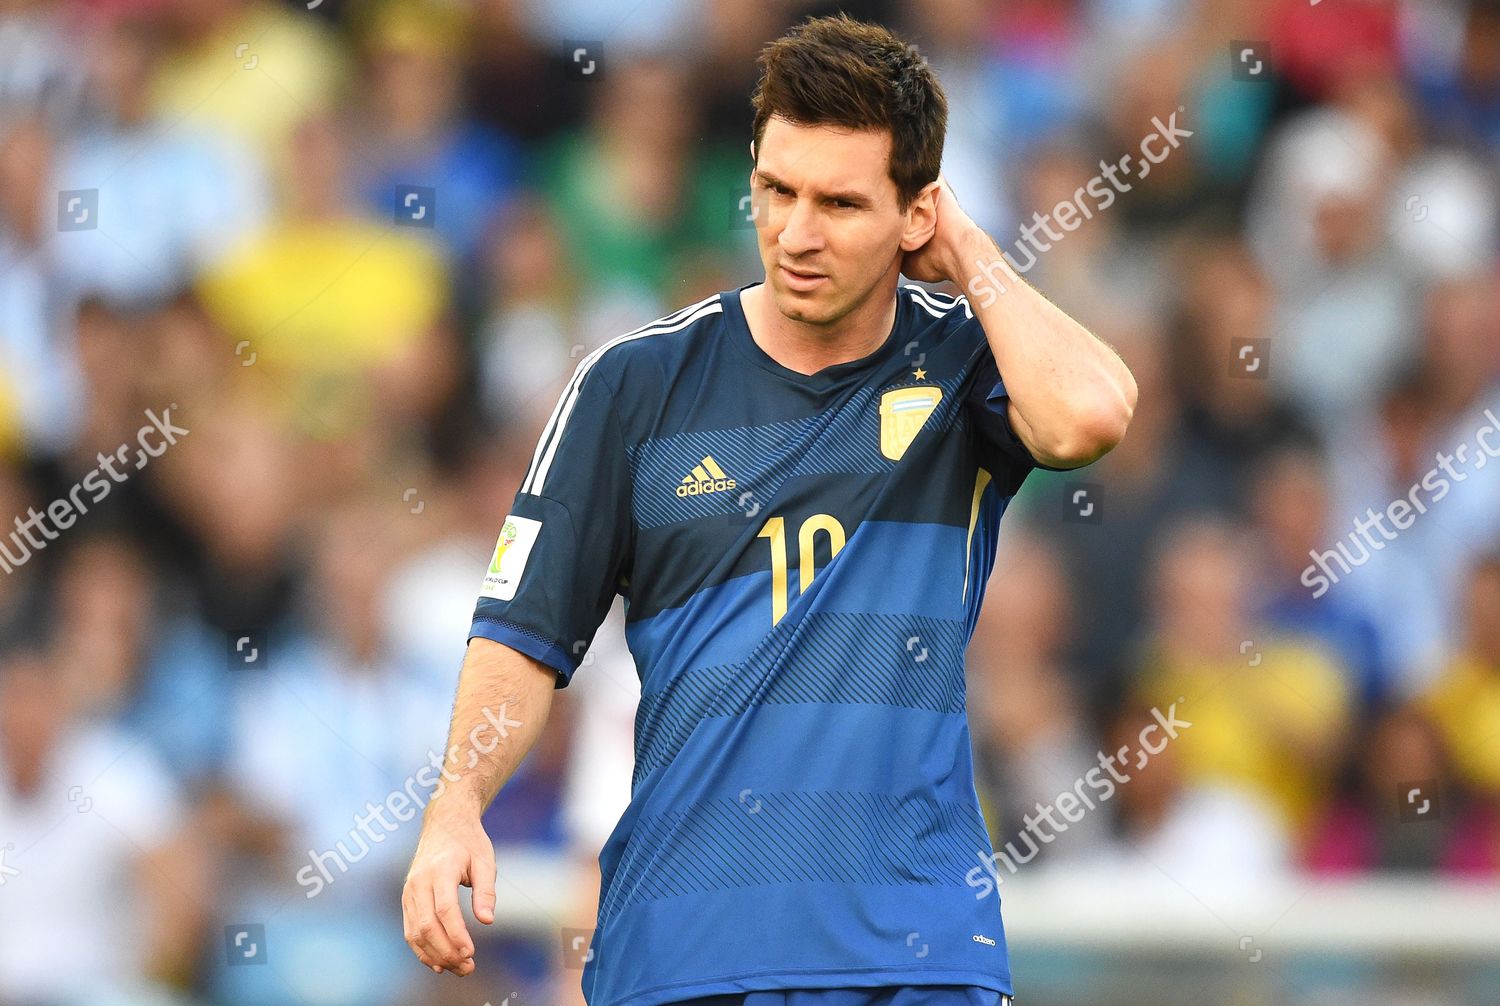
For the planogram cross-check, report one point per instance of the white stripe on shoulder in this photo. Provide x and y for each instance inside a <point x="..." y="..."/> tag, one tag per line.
<point x="933" y="296"/>
<point x="938" y="301"/>
<point x="919" y="302"/>
<point x="552" y="434"/>
<point x="576" y="380"/>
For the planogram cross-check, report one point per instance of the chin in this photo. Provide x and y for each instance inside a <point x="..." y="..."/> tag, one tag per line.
<point x="810" y="308"/>
<point x="806" y="314"/>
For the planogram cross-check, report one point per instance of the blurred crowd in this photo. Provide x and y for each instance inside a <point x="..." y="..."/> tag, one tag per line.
<point x="334" y="260"/>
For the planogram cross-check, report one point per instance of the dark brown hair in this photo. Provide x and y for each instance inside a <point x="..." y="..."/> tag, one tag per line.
<point x="842" y="72"/>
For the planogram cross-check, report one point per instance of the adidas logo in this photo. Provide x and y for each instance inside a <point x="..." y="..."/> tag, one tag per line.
<point x="706" y="477"/>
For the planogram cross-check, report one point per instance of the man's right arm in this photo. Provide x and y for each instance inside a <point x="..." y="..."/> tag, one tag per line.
<point x="503" y="700"/>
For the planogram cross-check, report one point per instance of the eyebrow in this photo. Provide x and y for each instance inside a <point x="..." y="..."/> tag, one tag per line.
<point x="857" y="198"/>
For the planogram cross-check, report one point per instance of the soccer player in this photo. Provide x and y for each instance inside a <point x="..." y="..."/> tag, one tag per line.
<point x="797" y="486"/>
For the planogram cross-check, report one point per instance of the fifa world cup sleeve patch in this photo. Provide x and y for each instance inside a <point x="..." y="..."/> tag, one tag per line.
<point x="517" y="537"/>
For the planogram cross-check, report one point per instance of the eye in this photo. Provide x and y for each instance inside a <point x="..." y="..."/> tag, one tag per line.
<point x="843" y="204"/>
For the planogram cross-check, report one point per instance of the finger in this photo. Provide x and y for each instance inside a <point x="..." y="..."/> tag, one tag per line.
<point x="453" y="933"/>
<point x="414" y="937"/>
<point x="431" y="934"/>
<point x="482" y="879"/>
<point x="423" y="956"/>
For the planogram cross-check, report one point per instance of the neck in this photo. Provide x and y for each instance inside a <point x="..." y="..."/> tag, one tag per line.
<point x="806" y="347"/>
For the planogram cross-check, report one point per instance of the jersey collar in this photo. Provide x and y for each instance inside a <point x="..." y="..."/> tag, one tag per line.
<point x="744" y="342"/>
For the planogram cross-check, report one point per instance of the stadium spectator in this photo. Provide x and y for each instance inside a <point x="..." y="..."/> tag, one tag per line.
<point x="1016" y="666"/>
<point x="1270" y="714"/>
<point x="1291" y="510"/>
<point x="1172" y="829"/>
<point x="414" y="132"/>
<point x="156" y="205"/>
<point x="1408" y="812"/>
<point x="638" y="205"/>
<point x="338" y="304"/>
<point x="91" y="818"/>
<point x="251" y="69"/>
<point x="1465" y="700"/>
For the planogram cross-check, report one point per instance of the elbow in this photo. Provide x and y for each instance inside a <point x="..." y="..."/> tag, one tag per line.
<point x="1095" y="430"/>
<point x="1105" y="425"/>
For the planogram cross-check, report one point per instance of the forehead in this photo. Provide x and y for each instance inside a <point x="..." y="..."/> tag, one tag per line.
<point x="826" y="157"/>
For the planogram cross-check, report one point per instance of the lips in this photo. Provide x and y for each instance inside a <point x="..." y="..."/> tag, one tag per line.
<point x="801" y="280"/>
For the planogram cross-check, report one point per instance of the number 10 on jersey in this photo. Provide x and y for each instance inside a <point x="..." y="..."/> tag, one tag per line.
<point x="775" y="530"/>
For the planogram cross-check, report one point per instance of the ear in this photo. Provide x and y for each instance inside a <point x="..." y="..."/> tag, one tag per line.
<point x="921" y="217"/>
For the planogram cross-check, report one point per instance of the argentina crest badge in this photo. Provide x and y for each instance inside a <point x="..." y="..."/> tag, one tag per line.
<point x="902" y="413"/>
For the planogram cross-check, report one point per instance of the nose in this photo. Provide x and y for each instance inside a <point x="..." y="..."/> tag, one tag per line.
<point x="800" y="234"/>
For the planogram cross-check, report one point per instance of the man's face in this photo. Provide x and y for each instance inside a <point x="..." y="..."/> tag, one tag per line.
<point x="828" y="219"/>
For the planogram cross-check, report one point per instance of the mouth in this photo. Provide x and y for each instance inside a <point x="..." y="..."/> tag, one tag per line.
<point x="800" y="280"/>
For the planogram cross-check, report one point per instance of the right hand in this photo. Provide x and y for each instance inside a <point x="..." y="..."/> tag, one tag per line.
<point x="453" y="850"/>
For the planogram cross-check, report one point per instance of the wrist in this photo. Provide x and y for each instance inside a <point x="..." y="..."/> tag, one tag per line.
<point x="453" y="803"/>
<point x="971" y="253"/>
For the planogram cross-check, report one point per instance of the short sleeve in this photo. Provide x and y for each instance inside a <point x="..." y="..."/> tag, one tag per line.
<point x="564" y="548"/>
<point x="987" y="404"/>
<point x="989" y="409"/>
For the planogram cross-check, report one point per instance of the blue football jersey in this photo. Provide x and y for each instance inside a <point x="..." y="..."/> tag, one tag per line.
<point x="802" y="559"/>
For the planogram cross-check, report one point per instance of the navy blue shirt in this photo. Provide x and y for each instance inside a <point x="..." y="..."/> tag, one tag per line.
<point x="802" y="559"/>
